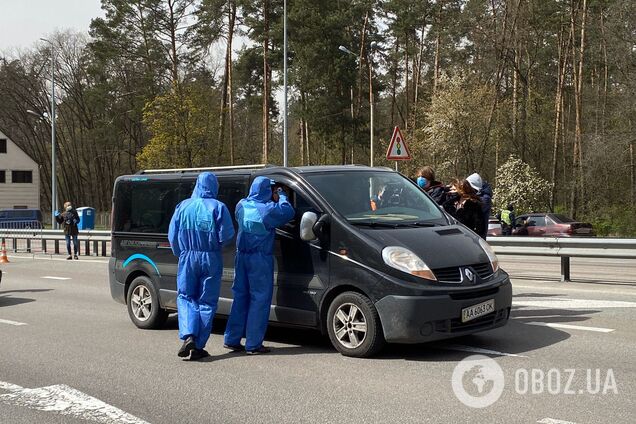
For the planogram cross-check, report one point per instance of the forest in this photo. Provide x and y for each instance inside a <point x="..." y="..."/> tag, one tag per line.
<point x="543" y="87"/>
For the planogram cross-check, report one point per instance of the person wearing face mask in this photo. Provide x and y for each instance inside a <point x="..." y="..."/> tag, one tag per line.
<point x="69" y="220"/>
<point x="426" y="181"/>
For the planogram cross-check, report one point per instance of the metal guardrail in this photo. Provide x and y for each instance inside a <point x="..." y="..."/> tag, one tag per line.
<point x="565" y="248"/>
<point x="48" y="241"/>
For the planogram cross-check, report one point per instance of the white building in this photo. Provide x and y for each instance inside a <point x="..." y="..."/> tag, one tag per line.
<point x="19" y="177"/>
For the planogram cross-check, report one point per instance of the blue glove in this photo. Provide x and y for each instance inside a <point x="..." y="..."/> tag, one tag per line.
<point x="57" y="213"/>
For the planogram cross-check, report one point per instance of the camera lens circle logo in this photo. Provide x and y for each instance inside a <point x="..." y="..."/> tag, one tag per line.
<point x="478" y="381"/>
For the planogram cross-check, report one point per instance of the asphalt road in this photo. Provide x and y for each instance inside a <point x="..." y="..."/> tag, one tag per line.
<point x="69" y="354"/>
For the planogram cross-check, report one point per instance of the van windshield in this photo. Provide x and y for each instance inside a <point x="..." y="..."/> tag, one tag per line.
<point x="377" y="198"/>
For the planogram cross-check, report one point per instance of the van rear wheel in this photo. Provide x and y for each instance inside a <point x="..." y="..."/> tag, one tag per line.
<point x="143" y="304"/>
<point x="354" y="325"/>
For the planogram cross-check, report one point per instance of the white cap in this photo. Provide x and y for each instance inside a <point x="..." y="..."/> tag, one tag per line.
<point x="475" y="181"/>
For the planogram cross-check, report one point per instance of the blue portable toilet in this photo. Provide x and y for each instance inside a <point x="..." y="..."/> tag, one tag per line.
<point x="87" y="218"/>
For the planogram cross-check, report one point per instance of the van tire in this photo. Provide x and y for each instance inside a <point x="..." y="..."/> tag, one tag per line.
<point x="349" y="314"/>
<point x="143" y="305"/>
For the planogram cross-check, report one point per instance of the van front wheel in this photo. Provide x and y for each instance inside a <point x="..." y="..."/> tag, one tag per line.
<point x="354" y="325"/>
<point x="143" y="304"/>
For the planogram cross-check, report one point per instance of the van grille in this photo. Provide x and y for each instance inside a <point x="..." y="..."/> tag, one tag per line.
<point x="483" y="270"/>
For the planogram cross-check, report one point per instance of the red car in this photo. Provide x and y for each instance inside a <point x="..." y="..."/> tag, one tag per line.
<point x="552" y="225"/>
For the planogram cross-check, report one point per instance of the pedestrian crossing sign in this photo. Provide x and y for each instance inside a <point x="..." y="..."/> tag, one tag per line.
<point x="398" y="149"/>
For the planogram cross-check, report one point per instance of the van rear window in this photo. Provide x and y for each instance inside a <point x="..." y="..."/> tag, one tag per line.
<point x="146" y="207"/>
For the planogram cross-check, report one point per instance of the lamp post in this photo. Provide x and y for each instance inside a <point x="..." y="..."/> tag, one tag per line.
<point x="346" y="50"/>
<point x="53" y="149"/>
<point x="285" y="161"/>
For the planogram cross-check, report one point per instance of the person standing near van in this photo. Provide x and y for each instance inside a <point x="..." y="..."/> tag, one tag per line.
<point x="199" y="228"/>
<point x="258" y="216"/>
<point x="427" y="182"/>
<point x="484" y="192"/>
<point x="507" y="220"/>
<point x="69" y="220"/>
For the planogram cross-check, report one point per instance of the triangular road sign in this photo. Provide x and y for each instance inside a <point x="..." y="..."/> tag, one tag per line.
<point x="398" y="149"/>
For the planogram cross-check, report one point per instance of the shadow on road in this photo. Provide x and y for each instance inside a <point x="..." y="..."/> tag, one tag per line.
<point x="7" y="300"/>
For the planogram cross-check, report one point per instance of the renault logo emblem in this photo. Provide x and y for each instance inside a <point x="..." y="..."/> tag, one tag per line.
<point x="469" y="274"/>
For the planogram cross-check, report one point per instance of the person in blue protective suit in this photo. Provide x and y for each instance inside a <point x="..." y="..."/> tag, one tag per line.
<point x="258" y="216"/>
<point x="199" y="228"/>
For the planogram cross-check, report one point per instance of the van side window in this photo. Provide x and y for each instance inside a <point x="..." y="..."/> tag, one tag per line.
<point x="231" y="192"/>
<point x="145" y="207"/>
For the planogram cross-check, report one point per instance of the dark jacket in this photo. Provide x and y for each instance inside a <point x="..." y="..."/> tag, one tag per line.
<point x="470" y="213"/>
<point x="69" y="221"/>
<point x="485" y="195"/>
<point x="438" y="192"/>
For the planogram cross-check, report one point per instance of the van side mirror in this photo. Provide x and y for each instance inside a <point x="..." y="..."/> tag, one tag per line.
<point x="307" y="223"/>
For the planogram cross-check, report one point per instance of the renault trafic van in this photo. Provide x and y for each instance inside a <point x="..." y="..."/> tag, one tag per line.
<point x="369" y="258"/>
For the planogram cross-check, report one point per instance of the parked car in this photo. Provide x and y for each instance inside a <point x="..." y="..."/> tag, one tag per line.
<point x="17" y="219"/>
<point x="405" y="271"/>
<point x="553" y="225"/>
<point x="494" y="227"/>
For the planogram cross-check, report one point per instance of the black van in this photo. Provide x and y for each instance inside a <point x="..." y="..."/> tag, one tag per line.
<point x="368" y="258"/>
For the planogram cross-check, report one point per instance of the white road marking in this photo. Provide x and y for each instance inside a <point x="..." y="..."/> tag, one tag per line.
<point x="554" y="421"/>
<point x="51" y="258"/>
<point x="49" y="277"/>
<point x="463" y="348"/>
<point x="66" y="400"/>
<point x="16" y="323"/>
<point x="572" y="289"/>
<point x="565" y="303"/>
<point x="572" y="327"/>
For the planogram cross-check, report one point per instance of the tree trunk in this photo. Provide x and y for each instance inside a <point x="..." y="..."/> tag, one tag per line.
<point x="564" y="47"/>
<point x="577" y="156"/>
<point x="230" y="101"/>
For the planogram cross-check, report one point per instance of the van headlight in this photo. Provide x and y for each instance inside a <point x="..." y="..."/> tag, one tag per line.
<point x="404" y="260"/>
<point x="494" y="262"/>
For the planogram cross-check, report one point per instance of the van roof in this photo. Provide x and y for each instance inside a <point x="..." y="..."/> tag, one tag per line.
<point x="250" y="169"/>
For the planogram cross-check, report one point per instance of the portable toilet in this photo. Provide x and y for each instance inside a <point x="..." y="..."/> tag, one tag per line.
<point x="87" y="218"/>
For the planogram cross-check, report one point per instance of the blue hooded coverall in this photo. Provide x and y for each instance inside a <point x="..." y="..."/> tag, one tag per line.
<point x="199" y="228"/>
<point x="258" y="217"/>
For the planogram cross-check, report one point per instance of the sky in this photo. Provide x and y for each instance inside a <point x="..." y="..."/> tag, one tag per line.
<point x="23" y="22"/>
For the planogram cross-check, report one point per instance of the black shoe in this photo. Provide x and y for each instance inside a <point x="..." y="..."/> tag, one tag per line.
<point x="235" y="348"/>
<point x="187" y="348"/>
<point x="76" y="257"/>
<point x="69" y="258"/>
<point x="197" y="354"/>
<point x="261" y="350"/>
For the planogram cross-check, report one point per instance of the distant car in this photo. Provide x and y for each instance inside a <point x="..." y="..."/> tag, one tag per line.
<point x="494" y="227"/>
<point x="18" y="219"/>
<point x="553" y="225"/>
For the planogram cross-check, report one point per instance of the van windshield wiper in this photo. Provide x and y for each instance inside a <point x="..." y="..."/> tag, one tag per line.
<point x="374" y="224"/>
<point x="423" y="224"/>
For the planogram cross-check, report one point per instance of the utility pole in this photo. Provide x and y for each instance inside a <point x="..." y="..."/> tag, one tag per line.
<point x="285" y="161"/>
<point x="53" y="149"/>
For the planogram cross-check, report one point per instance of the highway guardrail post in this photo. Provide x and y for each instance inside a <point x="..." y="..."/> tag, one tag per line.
<point x="565" y="268"/>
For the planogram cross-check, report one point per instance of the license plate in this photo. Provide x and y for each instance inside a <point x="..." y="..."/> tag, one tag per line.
<point x="478" y="310"/>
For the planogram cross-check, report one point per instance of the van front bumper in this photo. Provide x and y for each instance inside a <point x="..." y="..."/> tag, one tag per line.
<point x="117" y="289"/>
<point x="417" y="319"/>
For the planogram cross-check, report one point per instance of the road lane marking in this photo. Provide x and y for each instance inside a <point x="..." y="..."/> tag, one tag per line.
<point x="464" y="348"/>
<point x="572" y="289"/>
<point x="554" y="421"/>
<point x="50" y="277"/>
<point x="66" y="400"/>
<point x="565" y="303"/>
<point x="7" y="321"/>
<point x="50" y="258"/>
<point x="571" y="327"/>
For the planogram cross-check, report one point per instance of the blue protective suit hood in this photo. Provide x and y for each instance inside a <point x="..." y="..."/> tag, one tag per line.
<point x="261" y="190"/>
<point x="207" y="186"/>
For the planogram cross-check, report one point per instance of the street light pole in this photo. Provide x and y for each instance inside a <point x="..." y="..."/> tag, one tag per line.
<point x="53" y="149"/>
<point x="285" y="161"/>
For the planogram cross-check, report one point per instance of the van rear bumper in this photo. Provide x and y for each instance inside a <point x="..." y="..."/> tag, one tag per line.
<point x="417" y="319"/>
<point x="117" y="289"/>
